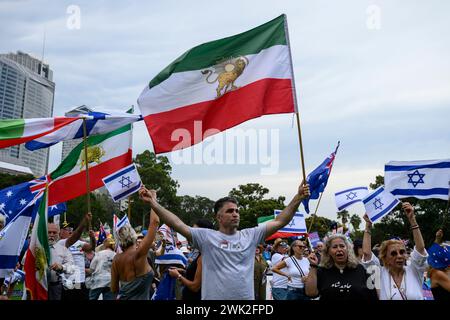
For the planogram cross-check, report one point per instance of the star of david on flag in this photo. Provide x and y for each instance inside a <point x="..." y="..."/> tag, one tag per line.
<point x="296" y="225"/>
<point x="379" y="203"/>
<point x="318" y="178"/>
<point x="348" y="197"/>
<point x="123" y="183"/>
<point x="420" y="179"/>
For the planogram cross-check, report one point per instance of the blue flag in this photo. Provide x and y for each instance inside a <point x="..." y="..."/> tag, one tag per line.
<point x="318" y="179"/>
<point x="101" y="235"/>
<point x="14" y="199"/>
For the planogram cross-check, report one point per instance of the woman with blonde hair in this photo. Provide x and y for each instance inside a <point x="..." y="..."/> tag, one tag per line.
<point x="131" y="274"/>
<point x="398" y="281"/>
<point x="339" y="276"/>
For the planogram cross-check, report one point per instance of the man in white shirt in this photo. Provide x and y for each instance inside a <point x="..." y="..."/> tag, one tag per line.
<point x="74" y="285"/>
<point x="62" y="263"/>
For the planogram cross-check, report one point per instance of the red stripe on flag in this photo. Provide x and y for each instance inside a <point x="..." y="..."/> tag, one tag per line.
<point x="59" y="122"/>
<point x="35" y="289"/>
<point x="73" y="186"/>
<point x="263" y="97"/>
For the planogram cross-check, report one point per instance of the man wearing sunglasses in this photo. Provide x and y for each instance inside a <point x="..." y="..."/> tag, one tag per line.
<point x="398" y="280"/>
<point x="227" y="254"/>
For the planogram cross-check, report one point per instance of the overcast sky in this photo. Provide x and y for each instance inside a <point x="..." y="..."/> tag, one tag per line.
<point x="373" y="74"/>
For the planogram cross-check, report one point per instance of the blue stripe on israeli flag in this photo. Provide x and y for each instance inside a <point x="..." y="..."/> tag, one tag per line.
<point x="348" y="190"/>
<point x="122" y="222"/>
<point x="379" y="203"/>
<point x="373" y="195"/>
<point x="348" y="204"/>
<point x="439" y="165"/>
<point x="296" y="225"/>
<point x="385" y="211"/>
<point x="123" y="183"/>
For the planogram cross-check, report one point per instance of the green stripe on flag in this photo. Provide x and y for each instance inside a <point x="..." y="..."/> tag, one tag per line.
<point x="42" y="233"/>
<point x="265" y="219"/>
<point x="11" y="129"/>
<point x="208" y="54"/>
<point x="71" y="160"/>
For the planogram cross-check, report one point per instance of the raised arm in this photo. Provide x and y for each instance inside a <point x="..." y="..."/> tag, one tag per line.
<point x="417" y="235"/>
<point x="288" y="213"/>
<point x="150" y="236"/>
<point x="114" y="278"/>
<point x="168" y="217"/>
<point x="76" y="234"/>
<point x="367" y="239"/>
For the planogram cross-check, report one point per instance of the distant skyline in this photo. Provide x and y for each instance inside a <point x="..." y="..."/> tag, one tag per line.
<point x="373" y="74"/>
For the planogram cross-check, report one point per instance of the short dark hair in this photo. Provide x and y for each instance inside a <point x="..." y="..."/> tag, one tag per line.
<point x="204" y="223"/>
<point x="219" y="203"/>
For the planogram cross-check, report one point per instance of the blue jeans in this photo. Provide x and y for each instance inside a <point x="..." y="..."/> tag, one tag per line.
<point x="296" y="294"/>
<point x="94" y="294"/>
<point x="279" y="293"/>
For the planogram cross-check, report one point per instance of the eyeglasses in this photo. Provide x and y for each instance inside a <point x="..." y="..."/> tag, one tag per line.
<point x="231" y="210"/>
<point x="399" y="252"/>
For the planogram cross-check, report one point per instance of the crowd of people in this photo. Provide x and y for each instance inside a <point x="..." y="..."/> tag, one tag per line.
<point x="228" y="263"/>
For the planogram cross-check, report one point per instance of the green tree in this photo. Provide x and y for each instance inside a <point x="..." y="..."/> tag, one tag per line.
<point x="320" y="224"/>
<point x="77" y="208"/>
<point x="252" y="203"/>
<point x="155" y="174"/>
<point x="9" y="180"/>
<point x="194" y="208"/>
<point x="343" y="215"/>
<point x="355" y="221"/>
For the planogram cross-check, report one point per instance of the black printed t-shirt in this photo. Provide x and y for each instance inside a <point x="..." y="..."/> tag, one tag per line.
<point x="351" y="284"/>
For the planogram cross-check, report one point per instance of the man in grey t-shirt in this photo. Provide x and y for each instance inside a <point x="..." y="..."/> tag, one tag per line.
<point x="227" y="254"/>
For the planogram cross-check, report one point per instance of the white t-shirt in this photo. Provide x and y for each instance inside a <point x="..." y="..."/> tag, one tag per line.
<point x="279" y="281"/>
<point x="78" y="258"/>
<point x="411" y="286"/>
<point x="101" y="266"/>
<point x="297" y="273"/>
<point x="228" y="262"/>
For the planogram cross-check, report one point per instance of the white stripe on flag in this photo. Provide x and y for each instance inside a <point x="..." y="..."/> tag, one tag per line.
<point x="296" y="225"/>
<point x="346" y="198"/>
<point x="379" y="203"/>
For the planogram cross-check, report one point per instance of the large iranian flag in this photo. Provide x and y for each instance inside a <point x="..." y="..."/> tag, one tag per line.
<point x="107" y="153"/>
<point x="17" y="131"/>
<point x="38" y="256"/>
<point x="218" y="85"/>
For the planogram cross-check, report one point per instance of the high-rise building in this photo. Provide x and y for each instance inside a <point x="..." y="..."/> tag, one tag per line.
<point x="26" y="91"/>
<point x="70" y="144"/>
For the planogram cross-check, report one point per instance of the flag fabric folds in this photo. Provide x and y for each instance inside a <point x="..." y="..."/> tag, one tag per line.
<point x="96" y="123"/>
<point x="101" y="235"/>
<point x="314" y="238"/>
<point x="379" y="203"/>
<point x="17" y="131"/>
<point x="420" y="179"/>
<point x="37" y="259"/>
<point x="106" y="153"/>
<point x="14" y="234"/>
<point x="318" y="178"/>
<point x="296" y="225"/>
<point x="346" y="198"/>
<point x="218" y="85"/>
<point x="123" y="183"/>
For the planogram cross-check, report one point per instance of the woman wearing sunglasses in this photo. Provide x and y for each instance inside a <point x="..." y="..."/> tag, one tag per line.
<point x="398" y="281"/>
<point x="297" y="270"/>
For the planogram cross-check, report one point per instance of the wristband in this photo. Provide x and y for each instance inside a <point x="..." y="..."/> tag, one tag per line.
<point x="416" y="226"/>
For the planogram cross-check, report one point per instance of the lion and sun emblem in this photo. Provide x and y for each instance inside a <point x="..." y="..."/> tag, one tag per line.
<point x="227" y="72"/>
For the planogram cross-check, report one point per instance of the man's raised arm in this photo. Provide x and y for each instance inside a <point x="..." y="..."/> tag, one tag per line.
<point x="288" y="213"/>
<point x="165" y="215"/>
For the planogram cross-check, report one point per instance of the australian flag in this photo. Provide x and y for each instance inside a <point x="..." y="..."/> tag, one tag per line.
<point x="101" y="235"/>
<point x="14" y="199"/>
<point x="318" y="179"/>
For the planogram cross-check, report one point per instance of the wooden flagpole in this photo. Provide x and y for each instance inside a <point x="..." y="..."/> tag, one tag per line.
<point x="302" y="160"/>
<point x="129" y="208"/>
<point x="88" y="186"/>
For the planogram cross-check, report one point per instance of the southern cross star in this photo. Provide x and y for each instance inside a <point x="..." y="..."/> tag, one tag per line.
<point x="351" y="195"/>
<point x="9" y="193"/>
<point x="23" y="202"/>
<point x="125" y="182"/>
<point x="417" y="181"/>
<point x="378" y="204"/>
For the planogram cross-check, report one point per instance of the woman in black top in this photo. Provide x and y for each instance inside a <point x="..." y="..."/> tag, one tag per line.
<point x="439" y="268"/>
<point x="340" y="276"/>
<point x="192" y="281"/>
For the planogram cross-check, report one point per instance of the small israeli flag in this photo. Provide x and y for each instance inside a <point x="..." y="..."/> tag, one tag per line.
<point x="123" y="183"/>
<point x="379" y="203"/>
<point x="296" y="225"/>
<point x="346" y="198"/>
